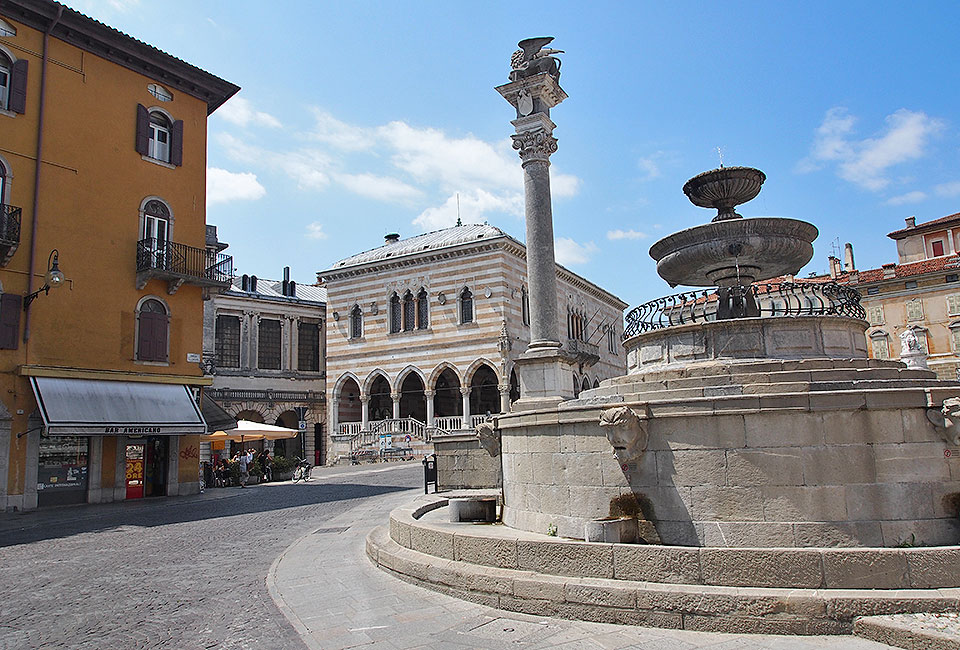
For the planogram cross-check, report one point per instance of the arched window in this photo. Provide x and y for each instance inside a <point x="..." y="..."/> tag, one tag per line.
<point x="3" y="184"/>
<point x="155" y="233"/>
<point x="153" y="323"/>
<point x="158" y="136"/>
<point x="409" y="312"/>
<point x="525" y="305"/>
<point x="356" y="322"/>
<point x="396" y="318"/>
<point x="423" y="310"/>
<point x="466" y="306"/>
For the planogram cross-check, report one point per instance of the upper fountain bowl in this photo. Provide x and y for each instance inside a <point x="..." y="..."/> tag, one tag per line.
<point x="724" y="189"/>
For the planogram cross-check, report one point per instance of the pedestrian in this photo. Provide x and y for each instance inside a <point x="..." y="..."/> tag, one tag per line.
<point x="244" y="469"/>
<point x="265" y="465"/>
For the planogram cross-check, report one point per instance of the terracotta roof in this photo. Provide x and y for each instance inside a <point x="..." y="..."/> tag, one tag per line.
<point x="911" y="269"/>
<point x="926" y="226"/>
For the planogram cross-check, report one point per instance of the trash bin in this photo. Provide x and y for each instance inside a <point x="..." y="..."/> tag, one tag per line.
<point x="429" y="472"/>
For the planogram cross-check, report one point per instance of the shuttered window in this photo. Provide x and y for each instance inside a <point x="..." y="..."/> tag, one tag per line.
<point x="308" y="347"/>
<point x="881" y="349"/>
<point x="158" y="138"/>
<point x="875" y="315"/>
<point x="152" y="326"/>
<point x="228" y="341"/>
<point x="914" y="309"/>
<point x="269" y="344"/>
<point x="10" y="308"/>
<point x="953" y="304"/>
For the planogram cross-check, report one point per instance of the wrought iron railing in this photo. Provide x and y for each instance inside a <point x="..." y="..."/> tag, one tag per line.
<point x="9" y="224"/>
<point x="183" y="260"/>
<point x="793" y="299"/>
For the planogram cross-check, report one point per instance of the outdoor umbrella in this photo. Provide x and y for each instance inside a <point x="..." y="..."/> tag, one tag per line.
<point x="257" y="431"/>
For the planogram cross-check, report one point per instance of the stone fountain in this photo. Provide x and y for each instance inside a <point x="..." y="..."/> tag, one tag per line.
<point x="779" y="481"/>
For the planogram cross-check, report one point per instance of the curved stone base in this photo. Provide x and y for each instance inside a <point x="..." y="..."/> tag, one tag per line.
<point x="767" y="591"/>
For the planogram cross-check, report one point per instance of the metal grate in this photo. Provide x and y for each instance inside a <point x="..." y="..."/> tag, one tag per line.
<point x="325" y="531"/>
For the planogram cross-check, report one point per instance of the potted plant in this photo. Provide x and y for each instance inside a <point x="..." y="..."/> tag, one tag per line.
<point x="283" y="468"/>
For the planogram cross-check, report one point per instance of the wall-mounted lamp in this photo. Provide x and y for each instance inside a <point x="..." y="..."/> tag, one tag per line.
<point x="51" y="280"/>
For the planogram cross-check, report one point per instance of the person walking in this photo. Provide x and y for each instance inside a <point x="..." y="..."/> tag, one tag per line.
<point x="244" y="469"/>
<point x="265" y="465"/>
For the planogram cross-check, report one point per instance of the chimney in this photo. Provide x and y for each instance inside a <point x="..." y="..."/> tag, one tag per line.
<point x="889" y="270"/>
<point x="854" y="277"/>
<point x="834" y="267"/>
<point x="245" y="282"/>
<point x="292" y="287"/>
<point x="285" y="285"/>
<point x="911" y="222"/>
<point x="848" y="264"/>
<point x="391" y="238"/>
<point x="253" y="283"/>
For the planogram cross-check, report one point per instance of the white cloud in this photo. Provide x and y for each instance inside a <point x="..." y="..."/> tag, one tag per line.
<point x="381" y="188"/>
<point x="948" y="189"/>
<point x="309" y="167"/>
<point x="910" y="197"/>
<point x="648" y="165"/>
<point x="626" y="234"/>
<point x="315" y="231"/>
<point x="569" y="252"/>
<point x="341" y="135"/>
<point x="224" y="186"/>
<point x="239" y="111"/>
<point x="866" y="162"/>
<point x="471" y="209"/>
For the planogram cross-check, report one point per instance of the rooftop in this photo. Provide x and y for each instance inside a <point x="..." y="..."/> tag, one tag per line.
<point x="272" y="289"/>
<point x="446" y="238"/>
<point x="926" y="226"/>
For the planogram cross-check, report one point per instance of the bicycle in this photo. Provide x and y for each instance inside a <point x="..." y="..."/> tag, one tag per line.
<point x="302" y="472"/>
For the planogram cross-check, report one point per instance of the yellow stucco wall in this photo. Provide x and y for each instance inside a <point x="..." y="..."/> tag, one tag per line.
<point x="93" y="183"/>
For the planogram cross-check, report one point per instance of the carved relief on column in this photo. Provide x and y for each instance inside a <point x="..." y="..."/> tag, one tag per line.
<point x="534" y="145"/>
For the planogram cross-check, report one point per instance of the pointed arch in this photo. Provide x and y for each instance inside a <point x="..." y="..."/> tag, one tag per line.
<point x="338" y="386"/>
<point x="372" y="377"/>
<point x="473" y="367"/>
<point x="410" y="368"/>
<point x="435" y="374"/>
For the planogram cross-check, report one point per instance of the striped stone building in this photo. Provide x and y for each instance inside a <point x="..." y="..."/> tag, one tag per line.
<point x="422" y="334"/>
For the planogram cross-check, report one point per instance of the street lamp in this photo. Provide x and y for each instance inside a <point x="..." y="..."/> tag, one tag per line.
<point x="51" y="280"/>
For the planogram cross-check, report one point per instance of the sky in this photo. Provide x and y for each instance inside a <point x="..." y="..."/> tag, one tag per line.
<point x="357" y="119"/>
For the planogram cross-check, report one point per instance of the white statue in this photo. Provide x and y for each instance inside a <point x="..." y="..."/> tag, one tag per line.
<point x="489" y="438"/>
<point x="947" y="420"/>
<point x="909" y="341"/>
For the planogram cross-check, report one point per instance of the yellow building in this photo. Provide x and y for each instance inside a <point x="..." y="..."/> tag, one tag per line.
<point x="921" y="291"/>
<point x="102" y="177"/>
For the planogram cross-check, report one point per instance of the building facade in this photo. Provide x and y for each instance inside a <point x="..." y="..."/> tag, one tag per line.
<point x="266" y="343"/>
<point x="103" y="261"/>
<point x="921" y="291"/>
<point x="424" y="332"/>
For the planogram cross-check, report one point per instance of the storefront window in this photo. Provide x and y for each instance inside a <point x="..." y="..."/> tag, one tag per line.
<point x="62" y="472"/>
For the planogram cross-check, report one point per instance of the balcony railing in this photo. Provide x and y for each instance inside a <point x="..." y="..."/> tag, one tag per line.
<point x="587" y="353"/>
<point x="753" y="301"/>
<point x="241" y="395"/>
<point x="179" y="264"/>
<point x="9" y="232"/>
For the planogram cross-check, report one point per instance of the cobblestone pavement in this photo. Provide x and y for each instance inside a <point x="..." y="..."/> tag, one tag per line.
<point x="276" y="566"/>
<point x="182" y="572"/>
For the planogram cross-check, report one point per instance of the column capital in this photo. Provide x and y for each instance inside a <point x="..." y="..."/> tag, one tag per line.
<point x="394" y="396"/>
<point x="428" y="394"/>
<point x="364" y="399"/>
<point x="504" y="388"/>
<point x="464" y="391"/>
<point x="534" y="146"/>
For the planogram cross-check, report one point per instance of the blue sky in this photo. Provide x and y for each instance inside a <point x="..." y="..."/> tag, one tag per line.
<point x="359" y="118"/>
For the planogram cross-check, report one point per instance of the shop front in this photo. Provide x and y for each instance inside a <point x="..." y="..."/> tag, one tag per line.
<point x="106" y="440"/>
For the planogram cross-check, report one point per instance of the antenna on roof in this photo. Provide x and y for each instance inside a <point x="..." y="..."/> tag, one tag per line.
<point x="459" y="223"/>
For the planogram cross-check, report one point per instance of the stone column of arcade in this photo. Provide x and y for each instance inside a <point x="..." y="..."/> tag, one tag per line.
<point x="533" y="90"/>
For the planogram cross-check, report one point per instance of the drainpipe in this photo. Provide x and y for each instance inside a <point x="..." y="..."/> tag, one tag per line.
<point x="36" y="175"/>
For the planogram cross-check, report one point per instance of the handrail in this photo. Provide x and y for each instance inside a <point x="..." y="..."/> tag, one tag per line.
<point x="190" y="261"/>
<point x="10" y="223"/>
<point x="790" y="299"/>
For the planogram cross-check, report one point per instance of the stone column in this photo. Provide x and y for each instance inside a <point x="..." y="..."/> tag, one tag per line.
<point x="465" y="395"/>
<point x="543" y="366"/>
<point x="334" y="409"/>
<point x="428" y="396"/>
<point x="396" y="405"/>
<point x="364" y="412"/>
<point x="504" y="398"/>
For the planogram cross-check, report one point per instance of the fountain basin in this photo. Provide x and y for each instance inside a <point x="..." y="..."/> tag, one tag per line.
<point x="724" y="189"/>
<point x="735" y="251"/>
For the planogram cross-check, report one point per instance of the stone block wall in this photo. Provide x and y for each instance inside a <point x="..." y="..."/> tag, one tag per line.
<point x="463" y="464"/>
<point x="814" y="472"/>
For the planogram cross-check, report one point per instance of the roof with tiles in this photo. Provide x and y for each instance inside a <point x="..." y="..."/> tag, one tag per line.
<point x="900" y="271"/>
<point x="926" y="226"/>
<point x="272" y="289"/>
<point x="446" y="238"/>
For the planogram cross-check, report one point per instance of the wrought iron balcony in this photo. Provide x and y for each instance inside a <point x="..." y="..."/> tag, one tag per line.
<point x="179" y="264"/>
<point x="586" y="353"/>
<point x="9" y="232"/>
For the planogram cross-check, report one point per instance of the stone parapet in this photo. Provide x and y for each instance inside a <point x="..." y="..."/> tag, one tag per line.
<point x="761" y="590"/>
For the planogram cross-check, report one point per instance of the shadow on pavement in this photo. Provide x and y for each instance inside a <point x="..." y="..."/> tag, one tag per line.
<point x="37" y="525"/>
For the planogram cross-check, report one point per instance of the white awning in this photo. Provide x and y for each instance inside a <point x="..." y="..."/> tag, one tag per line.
<point x="96" y="407"/>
